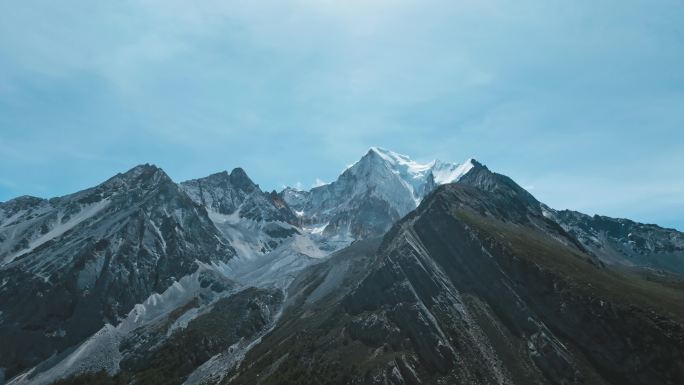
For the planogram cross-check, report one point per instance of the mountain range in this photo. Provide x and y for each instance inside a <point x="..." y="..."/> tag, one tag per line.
<point x="397" y="272"/>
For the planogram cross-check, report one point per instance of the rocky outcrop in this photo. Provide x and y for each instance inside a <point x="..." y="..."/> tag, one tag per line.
<point x="625" y="242"/>
<point x="97" y="253"/>
<point x="235" y="193"/>
<point x="476" y="286"/>
<point x="218" y="332"/>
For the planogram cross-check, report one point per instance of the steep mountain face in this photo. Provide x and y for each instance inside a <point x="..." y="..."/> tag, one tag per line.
<point x="254" y="221"/>
<point x="205" y="348"/>
<point x="148" y="326"/>
<point x="476" y="286"/>
<point x="228" y="194"/>
<point x="624" y="242"/>
<point x="261" y="227"/>
<point x="369" y="196"/>
<point x="234" y="217"/>
<point x="17" y="227"/>
<point x="72" y="264"/>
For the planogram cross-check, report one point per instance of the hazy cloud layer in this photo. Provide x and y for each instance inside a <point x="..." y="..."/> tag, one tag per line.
<point x="583" y="100"/>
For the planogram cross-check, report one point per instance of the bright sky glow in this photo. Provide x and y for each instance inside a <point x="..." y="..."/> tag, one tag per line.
<point x="582" y="102"/>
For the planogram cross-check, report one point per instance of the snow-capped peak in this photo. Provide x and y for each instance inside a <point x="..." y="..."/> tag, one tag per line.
<point x="371" y="194"/>
<point x="378" y="163"/>
<point x="417" y="174"/>
<point x="400" y="161"/>
<point x="444" y="173"/>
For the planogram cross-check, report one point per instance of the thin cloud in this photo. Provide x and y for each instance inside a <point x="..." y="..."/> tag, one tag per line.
<point x="520" y="86"/>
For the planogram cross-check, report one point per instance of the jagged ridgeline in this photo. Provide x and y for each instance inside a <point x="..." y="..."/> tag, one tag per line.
<point x="397" y="272"/>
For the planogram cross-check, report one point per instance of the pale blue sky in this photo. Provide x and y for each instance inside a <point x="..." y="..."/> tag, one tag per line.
<point x="580" y="101"/>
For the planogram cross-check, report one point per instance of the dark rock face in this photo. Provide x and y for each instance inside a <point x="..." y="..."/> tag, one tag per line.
<point x="624" y="242"/>
<point x="241" y="316"/>
<point x="97" y="253"/>
<point x="474" y="287"/>
<point x="227" y="193"/>
<point x="22" y="220"/>
<point x="309" y="345"/>
<point x="245" y="215"/>
<point x="503" y="189"/>
<point x="283" y="208"/>
<point x="150" y="358"/>
<point x="367" y="218"/>
<point x="523" y="286"/>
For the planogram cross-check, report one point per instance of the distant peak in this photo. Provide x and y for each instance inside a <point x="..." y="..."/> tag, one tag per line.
<point x="238" y="172"/>
<point x="239" y="178"/>
<point x="143" y="167"/>
<point x="379" y="150"/>
<point x="23" y="200"/>
<point x="474" y="163"/>
<point x="389" y="155"/>
<point x="141" y="170"/>
<point x="143" y="175"/>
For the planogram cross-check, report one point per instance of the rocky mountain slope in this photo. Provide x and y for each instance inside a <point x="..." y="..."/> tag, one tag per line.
<point x="270" y="246"/>
<point x="254" y="221"/>
<point x="227" y="194"/>
<point x="245" y="238"/>
<point x="369" y="196"/>
<point x="476" y="286"/>
<point x="624" y="242"/>
<point x="74" y="263"/>
<point x="396" y="273"/>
